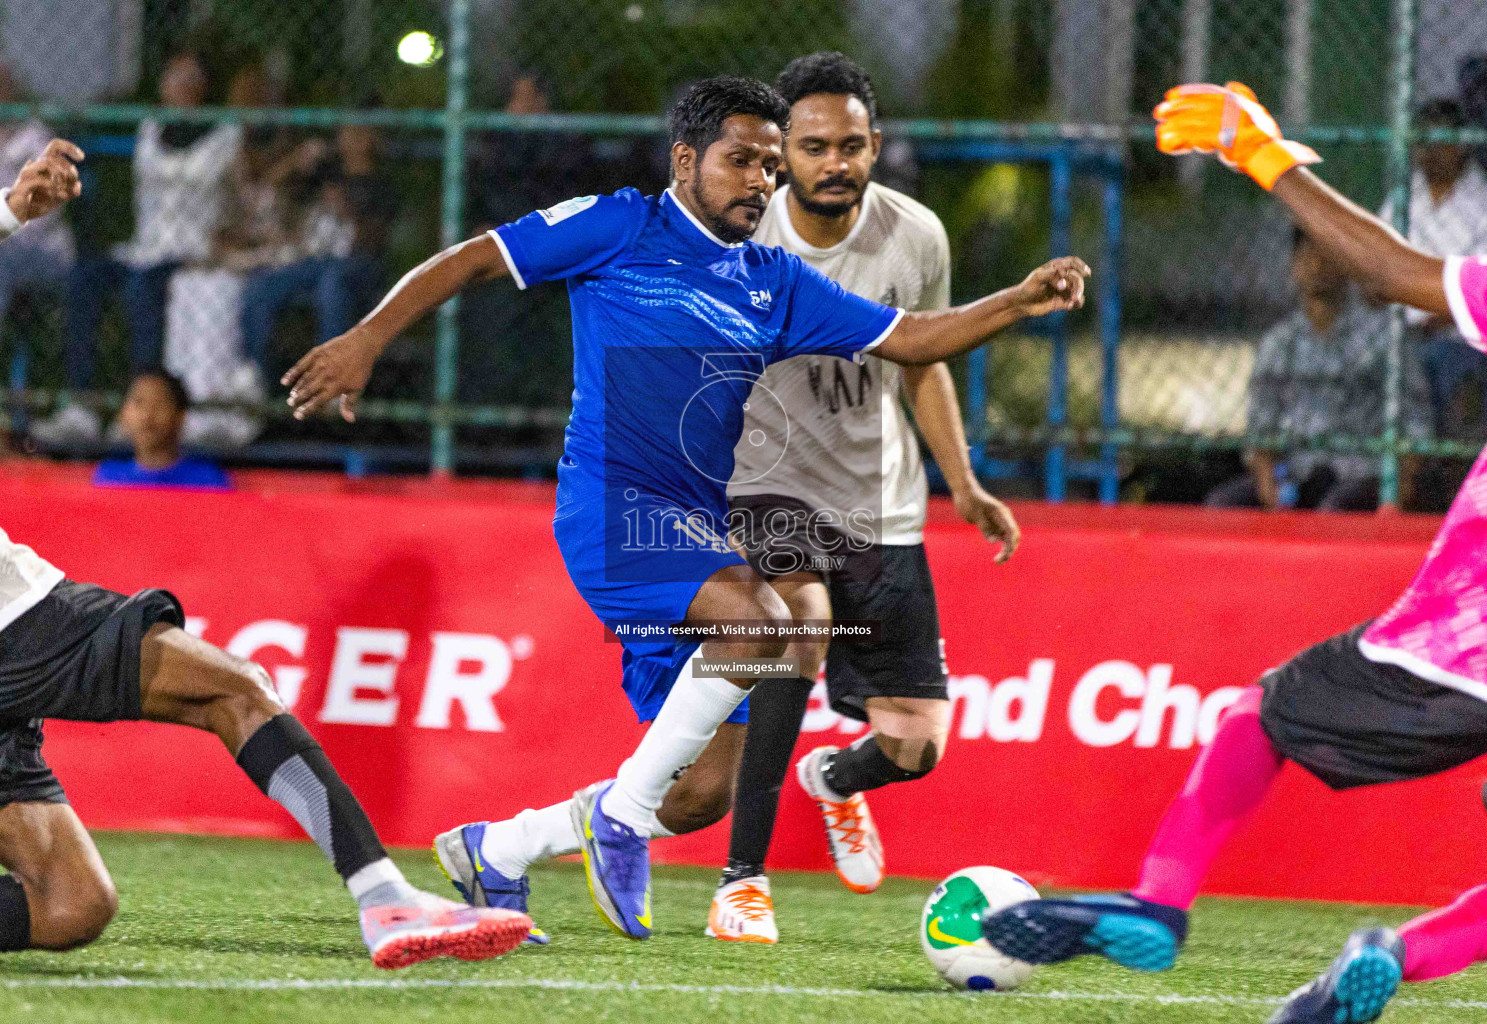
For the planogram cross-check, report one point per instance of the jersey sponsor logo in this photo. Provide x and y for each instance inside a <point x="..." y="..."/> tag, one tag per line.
<point x="761" y="299"/>
<point x="840" y="391"/>
<point x="557" y="214"/>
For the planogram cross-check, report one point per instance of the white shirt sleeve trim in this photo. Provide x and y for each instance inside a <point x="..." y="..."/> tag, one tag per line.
<point x="1451" y="278"/>
<point x="898" y="315"/>
<point x="9" y="224"/>
<point x="1422" y="669"/>
<point x="510" y="263"/>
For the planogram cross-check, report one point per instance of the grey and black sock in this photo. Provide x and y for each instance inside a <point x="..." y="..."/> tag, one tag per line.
<point x="286" y="763"/>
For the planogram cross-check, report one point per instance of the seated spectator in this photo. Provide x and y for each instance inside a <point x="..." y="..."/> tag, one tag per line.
<point x="39" y="256"/>
<point x="179" y="176"/>
<point x="1448" y="214"/>
<point x="339" y="244"/>
<point x="154" y="409"/>
<point x="1318" y="374"/>
<point x="203" y="336"/>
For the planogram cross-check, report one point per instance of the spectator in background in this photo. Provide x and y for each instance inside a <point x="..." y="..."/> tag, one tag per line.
<point x="1448" y="215"/>
<point x="39" y="256"/>
<point x="338" y="245"/>
<point x="154" y="409"/>
<point x="203" y="336"/>
<point x="179" y="175"/>
<point x="1319" y="373"/>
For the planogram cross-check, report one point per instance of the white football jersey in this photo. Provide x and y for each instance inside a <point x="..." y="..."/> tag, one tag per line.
<point x="25" y="578"/>
<point x="848" y="447"/>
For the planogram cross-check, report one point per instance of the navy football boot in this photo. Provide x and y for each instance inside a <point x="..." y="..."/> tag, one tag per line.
<point x="1357" y="986"/>
<point x="1135" y="933"/>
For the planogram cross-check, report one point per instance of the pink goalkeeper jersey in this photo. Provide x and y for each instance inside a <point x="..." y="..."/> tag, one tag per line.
<point x="1438" y="629"/>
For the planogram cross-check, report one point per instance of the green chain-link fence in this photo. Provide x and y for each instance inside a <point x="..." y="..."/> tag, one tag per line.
<point x="314" y="149"/>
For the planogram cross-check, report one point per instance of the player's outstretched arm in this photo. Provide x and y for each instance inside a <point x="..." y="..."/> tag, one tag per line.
<point x="341" y="367"/>
<point x="43" y="185"/>
<point x="1229" y="122"/>
<point x="934" y="335"/>
<point x="1373" y="252"/>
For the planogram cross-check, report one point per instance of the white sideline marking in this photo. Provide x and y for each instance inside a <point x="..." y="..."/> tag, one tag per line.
<point x="333" y="984"/>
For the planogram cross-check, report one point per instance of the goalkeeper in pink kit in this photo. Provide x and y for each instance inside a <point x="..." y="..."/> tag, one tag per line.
<point x="1400" y="697"/>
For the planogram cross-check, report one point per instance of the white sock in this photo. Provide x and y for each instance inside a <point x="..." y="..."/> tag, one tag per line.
<point x="511" y="846"/>
<point x="379" y="883"/>
<point x="685" y="725"/>
<point x="656" y="830"/>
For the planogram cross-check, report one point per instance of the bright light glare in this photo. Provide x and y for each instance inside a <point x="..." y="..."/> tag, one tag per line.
<point x="419" y="48"/>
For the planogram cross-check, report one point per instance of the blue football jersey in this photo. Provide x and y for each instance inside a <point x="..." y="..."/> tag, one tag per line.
<point x="671" y="328"/>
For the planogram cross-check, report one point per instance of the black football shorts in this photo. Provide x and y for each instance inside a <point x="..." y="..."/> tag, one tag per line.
<point x="1354" y="722"/>
<point x="74" y="656"/>
<point x="889" y="584"/>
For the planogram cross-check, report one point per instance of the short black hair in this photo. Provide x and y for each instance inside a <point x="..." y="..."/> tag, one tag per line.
<point x="1441" y="113"/>
<point x="827" y="71"/>
<point x="696" y="119"/>
<point x="178" y="393"/>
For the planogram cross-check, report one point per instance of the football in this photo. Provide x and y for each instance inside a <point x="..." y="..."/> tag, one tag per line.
<point x="950" y="929"/>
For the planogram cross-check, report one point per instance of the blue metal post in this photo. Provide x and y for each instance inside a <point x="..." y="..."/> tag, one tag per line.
<point x="976" y="406"/>
<point x="1060" y="184"/>
<point x="1110" y="299"/>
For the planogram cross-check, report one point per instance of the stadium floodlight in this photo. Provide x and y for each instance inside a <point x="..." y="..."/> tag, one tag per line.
<point x="419" y="48"/>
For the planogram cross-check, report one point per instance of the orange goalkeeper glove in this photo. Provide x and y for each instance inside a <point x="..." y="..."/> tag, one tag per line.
<point x="1229" y="121"/>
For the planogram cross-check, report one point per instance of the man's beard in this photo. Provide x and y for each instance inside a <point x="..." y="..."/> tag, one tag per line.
<point x="717" y="221"/>
<point x="835" y="208"/>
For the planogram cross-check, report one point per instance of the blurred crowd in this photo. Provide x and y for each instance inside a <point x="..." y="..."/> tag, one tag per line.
<point x="234" y="228"/>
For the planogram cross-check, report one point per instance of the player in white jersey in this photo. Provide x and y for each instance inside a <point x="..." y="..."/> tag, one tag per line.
<point x="828" y="501"/>
<point x="79" y="652"/>
<point x="1400" y="697"/>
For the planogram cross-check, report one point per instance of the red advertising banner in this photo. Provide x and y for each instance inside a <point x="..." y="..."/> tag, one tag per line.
<point x="428" y="635"/>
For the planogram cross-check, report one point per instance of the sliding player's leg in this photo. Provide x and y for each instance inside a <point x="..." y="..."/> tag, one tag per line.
<point x="742" y="910"/>
<point x="58" y="894"/>
<point x="1145" y="929"/>
<point x="187" y="681"/>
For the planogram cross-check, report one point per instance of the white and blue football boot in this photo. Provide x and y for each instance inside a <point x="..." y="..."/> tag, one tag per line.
<point x="1135" y="933"/>
<point x="617" y="860"/>
<point x="479" y="884"/>
<point x="1357" y="986"/>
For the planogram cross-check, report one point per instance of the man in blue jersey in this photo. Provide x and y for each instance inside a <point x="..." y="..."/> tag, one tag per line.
<point x="675" y="315"/>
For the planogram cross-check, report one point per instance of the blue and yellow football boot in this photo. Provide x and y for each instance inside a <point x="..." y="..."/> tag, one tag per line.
<point x="480" y="885"/>
<point x="1357" y="986"/>
<point x="617" y="860"/>
<point x="1135" y="933"/>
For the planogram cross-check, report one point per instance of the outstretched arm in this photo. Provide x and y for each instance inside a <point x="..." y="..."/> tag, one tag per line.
<point x="1373" y="253"/>
<point x="931" y="336"/>
<point x="341" y="367"/>
<point x="1229" y="122"/>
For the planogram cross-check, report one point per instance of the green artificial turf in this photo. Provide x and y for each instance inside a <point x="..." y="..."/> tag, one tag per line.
<point x="245" y="922"/>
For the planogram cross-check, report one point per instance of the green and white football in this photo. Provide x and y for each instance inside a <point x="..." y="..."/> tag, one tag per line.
<point x="950" y="929"/>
